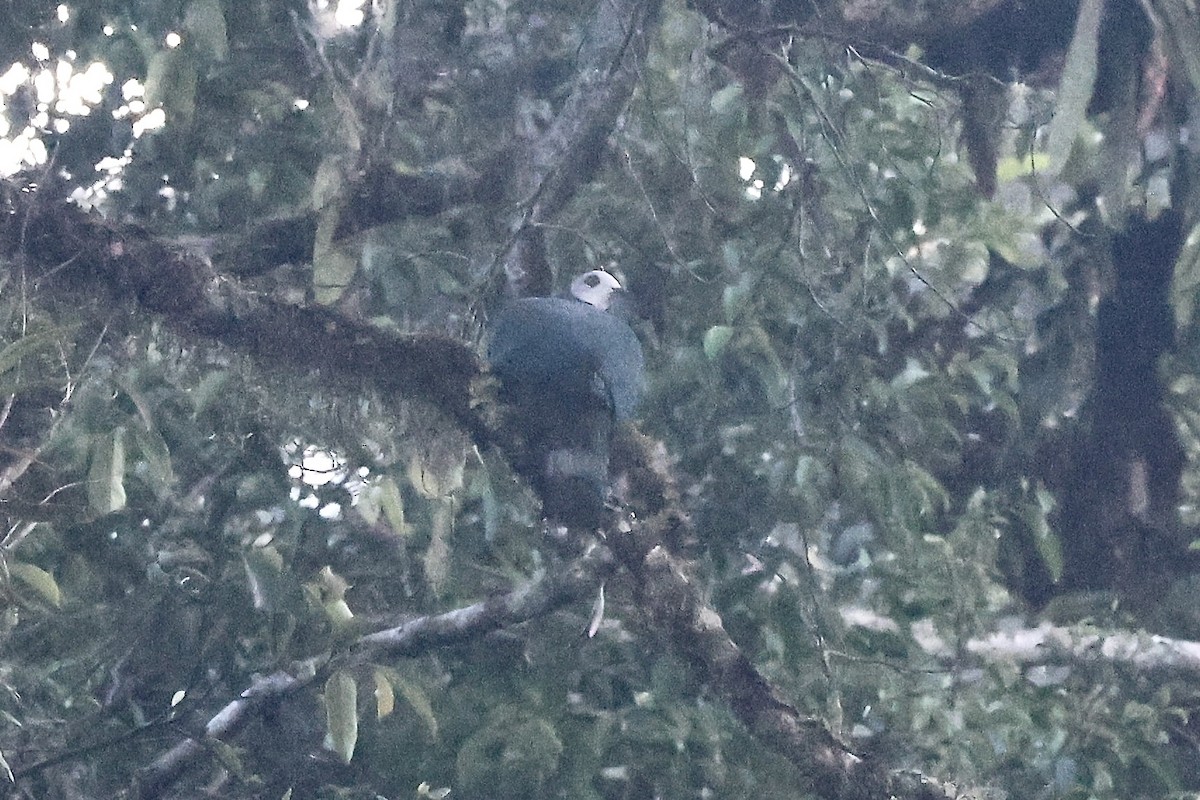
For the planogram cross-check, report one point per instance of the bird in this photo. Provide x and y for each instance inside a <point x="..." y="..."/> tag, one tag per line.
<point x="569" y="370"/>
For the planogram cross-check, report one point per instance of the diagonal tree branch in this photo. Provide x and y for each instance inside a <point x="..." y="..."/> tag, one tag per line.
<point x="67" y="250"/>
<point x="539" y="597"/>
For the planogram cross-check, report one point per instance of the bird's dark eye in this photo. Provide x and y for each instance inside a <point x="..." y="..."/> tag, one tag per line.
<point x="592" y="281"/>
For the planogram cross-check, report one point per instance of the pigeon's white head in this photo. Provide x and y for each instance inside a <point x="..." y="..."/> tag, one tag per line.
<point x="595" y="288"/>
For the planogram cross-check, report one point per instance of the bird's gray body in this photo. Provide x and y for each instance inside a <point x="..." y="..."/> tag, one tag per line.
<point x="568" y="370"/>
<point x="571" y="349"/>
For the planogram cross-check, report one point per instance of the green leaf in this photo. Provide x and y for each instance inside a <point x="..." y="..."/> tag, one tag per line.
<point x="211" y="388"/>
<point x="171" y="84"/>
<point x="1012" y="167"/>
<point x="334" y="265"/>
<point x="482" y="489"/>
<point x="385" y="695"/>
<point x="339" y="613"/>
<point x="391" y="501"/>
<point x="858" y="463"/>
<point x="328" y="183"/>
<point x="418" y="700"/>
<point x="37" y="579"/>
<point x="437" y="554"/>
<point x="264" y="573"/>
<point x="1075" y="87"/>
<point x="1185" y="285"/>
<point x="1183" y="27"/>
<point x="737" y="297"/>
<point x="27" y="345"/>
<point x="341" y="715"/>
<point x="715" y="340"/>
<point x="382" y="498"/>
<point x="437" y="475"/>
<point x="724" y="99"/>
<point x="912" y="373"/>
<point x="756" y="356"/>
<point x="154" y="450"/>
<point x="1048" y="545"/>
<point x="205" y="21"/>
<point x="106" y="475"/>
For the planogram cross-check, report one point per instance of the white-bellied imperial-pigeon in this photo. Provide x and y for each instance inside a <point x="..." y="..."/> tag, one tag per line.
<point x="568" y="369"/>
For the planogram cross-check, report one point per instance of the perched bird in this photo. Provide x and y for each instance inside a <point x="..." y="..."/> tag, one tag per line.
<point x="569" y="370"/>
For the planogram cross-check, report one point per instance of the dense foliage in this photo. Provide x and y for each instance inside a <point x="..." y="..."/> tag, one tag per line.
<point x="901" y="416"/>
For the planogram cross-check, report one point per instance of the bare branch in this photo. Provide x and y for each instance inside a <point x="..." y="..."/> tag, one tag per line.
<point x="1050" y="644"/>
<point x="412" y="637"/>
